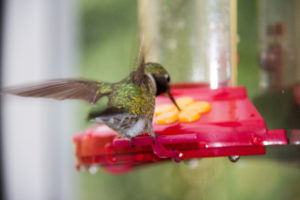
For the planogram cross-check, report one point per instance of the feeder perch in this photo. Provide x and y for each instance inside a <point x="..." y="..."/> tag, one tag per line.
<point x="233" y="127"/>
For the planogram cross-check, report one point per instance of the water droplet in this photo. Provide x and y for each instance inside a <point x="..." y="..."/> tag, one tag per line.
<point x="96" y="159"/>
<point x="108" y="147"/>
<point x="192" y="163"/>
<point x="112" y="159"/>
<point x="255" y="140"/>
<point x="179" y="157"/>
<point x="234" y="158"/>
<point x="93" y="169"/>
<point x="203" y="145"/>
<point x="140" y="157"/>
<point x="79" y="167"/>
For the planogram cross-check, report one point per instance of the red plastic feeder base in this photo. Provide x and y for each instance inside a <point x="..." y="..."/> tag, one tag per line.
<point x="233" y="127"/>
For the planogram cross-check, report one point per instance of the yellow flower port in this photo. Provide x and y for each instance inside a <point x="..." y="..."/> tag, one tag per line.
<point x="191" y="111"/>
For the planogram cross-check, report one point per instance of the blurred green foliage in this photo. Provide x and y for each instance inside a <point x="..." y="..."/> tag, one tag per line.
<point x="109" y="36"/>
<point x="109" y="42"/>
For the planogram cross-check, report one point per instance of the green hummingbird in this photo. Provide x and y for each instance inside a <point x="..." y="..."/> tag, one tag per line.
<point x="131" y="101"/>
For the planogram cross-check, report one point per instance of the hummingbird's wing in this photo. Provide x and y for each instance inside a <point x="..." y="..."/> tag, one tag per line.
<point x="61" y="89"/>
<point x="139" y="73"/>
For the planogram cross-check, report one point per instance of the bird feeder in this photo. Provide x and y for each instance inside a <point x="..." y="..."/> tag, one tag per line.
<point x="196" y="41"/>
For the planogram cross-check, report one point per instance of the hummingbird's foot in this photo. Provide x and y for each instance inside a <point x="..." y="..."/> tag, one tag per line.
<point x="131" y="142"/>
<point x="154" y="137"/>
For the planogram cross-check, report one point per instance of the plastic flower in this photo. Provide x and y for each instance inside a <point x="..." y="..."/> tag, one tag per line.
<point x="191" y="111"/>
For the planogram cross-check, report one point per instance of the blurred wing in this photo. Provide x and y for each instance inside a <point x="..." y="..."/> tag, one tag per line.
<point x="139" y="73"/>
<point x="61" y="89"/>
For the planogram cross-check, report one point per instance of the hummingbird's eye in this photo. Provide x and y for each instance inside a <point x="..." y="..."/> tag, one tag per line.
<point x="167" y="77"/>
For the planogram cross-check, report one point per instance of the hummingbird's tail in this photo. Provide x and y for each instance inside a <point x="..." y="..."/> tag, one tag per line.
<point x="61" y="89"/>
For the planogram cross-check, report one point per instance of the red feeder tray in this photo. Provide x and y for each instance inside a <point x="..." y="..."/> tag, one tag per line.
<point x="232" y="128"/>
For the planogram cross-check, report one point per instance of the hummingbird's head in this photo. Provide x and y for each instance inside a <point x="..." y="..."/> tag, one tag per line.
<point x="161" y="78"/>
<point x="160" y="75"/>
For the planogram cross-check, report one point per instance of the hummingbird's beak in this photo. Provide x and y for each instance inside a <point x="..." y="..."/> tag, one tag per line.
<point x="172" y="99"/>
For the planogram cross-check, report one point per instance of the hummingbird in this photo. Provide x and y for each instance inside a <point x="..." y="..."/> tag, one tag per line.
<point x="131" y="101"/>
